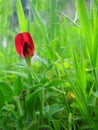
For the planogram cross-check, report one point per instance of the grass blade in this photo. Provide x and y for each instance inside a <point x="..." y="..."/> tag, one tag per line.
<point x="52" y="19"/>
<point x="95" y="40"/>
<point x="84" y="21"/>
<point x="80" y="73"/>
<point x="39" y="22"/>
<point x="21" y="16"/>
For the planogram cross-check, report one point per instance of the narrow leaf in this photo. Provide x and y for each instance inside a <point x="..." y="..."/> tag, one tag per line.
<point x="1" y="99"/>
<point x="52" y="19"/>
<point x="84" y="21"/>
<point x="7" y="91"/>
<point x="21" y="16"/>
<point x="39" y="22"/>
<point x="95" y="41"/>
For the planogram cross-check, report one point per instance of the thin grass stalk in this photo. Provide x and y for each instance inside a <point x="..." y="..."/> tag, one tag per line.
<point x="53" y="18"/>
<point x="39" y="22"/>
<point x="80" y="100"/>
<point x="63" y="94"/>
<point x="21" y="16"/>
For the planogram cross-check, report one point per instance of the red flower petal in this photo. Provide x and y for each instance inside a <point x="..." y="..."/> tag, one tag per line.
<point x="24" y="44"/>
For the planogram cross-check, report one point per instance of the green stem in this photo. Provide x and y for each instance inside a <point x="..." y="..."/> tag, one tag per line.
<point x="24" y="105"/>
<point x="96" y="81"/>
<point x="31" y="73"/>
<point x="19" y="106"/>
<point x="43" y="95"/>
<point x="28" y="61"/>
<point x="42" y="106"/>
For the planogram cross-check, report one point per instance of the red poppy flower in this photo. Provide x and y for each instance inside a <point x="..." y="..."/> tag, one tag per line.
<point x="24" y="45"/>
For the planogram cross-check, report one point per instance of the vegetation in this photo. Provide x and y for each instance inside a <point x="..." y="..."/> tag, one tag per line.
<point x="59" y="91"/>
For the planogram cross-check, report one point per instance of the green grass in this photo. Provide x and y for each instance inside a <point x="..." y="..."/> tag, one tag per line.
<point x="60" y="89"/>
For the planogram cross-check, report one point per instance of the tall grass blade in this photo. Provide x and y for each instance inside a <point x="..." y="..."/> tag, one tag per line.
<point x="80" y="73"/>
<point x="2" y="99"/>
<point x="85" y="24"/>
<point x="39" y="22"/>
<point x="21" y="16"/>
<point x="53" y="19"/>
<point x="95" y="50"/>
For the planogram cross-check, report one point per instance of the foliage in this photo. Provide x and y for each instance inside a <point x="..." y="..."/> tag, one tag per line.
<point x="60" y="89"/>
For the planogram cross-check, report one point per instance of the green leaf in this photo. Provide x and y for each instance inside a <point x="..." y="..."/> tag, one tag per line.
<point x="55" y="108"/>
<point x="1" y="99"/>
<point x="91" y="101"/>
<point x="80" y="73"/>
<point x="39" y="22"/>
<point x="84" y="21"/>
<point x="21" y="16"/>
<point x="18" y="86"/>
<point x="7" y="91"/>
<point x="32" y="100"/>
<point x="43" y="126"/>
<point x="15" y="73"/>
<point x="53" y="19"/>
<point x="95" y="50"/>
<point x="56" y="124"/>
<point x="54" y="82"/>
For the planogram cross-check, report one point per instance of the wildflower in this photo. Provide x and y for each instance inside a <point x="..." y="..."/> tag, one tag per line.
<point x="24" y="45"/>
